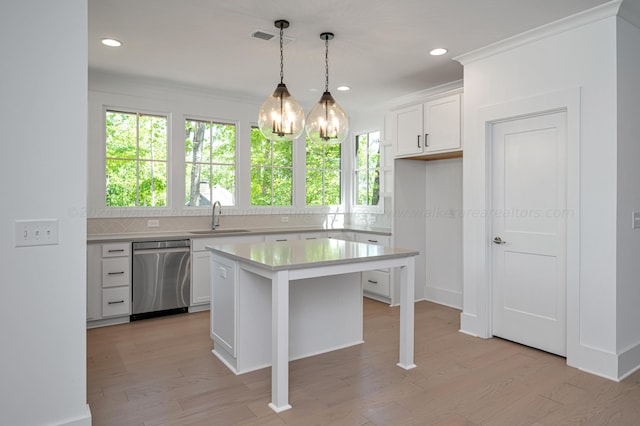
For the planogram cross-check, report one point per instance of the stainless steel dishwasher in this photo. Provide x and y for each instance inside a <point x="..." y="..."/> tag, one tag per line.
<point x="161" y="278"/>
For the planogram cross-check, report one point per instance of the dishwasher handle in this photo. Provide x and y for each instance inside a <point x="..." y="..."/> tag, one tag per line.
<point x="160" y="250"/>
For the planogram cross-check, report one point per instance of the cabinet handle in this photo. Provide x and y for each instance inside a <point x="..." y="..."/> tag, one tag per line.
<point x="419" y="141"/>
<point x="372" y="241"/>
<point x="312" y="238"/>
<point x="426" y="139"/>
<point x="373" y="282"/>
<point x="281" y="240"/>
<point x="116" y="273"/>
<point x="116" y="302"/>
<point x="115" y="251"/>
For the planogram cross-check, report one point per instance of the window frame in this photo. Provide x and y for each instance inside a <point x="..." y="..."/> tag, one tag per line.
<point x="129" y="211"/>
<point x="273" y="207"/>
<point x="354" y="206"/>
<point x="184" y="163"/>
<point x="343" y="183"/>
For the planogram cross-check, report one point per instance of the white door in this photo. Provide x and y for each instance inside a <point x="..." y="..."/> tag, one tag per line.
<point x="529" y="231"/>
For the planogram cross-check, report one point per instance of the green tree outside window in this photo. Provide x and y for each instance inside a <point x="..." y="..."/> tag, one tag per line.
<point x="210" y="163"/>
<point x="367" y="179"/>
<point x="271" y="171"/>
<point x="136" y="159"/>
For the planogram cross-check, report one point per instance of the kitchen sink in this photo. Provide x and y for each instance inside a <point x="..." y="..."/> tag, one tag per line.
<point x="217" y="231"/>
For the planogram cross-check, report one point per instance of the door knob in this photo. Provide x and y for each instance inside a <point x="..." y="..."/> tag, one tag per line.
<point x="498" y="240"/>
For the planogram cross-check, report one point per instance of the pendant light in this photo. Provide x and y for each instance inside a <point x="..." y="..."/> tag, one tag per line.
<point x="281" y="117"/>
<point x="327" y="122"/>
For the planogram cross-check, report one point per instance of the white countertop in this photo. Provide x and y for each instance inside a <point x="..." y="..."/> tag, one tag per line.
<point x="296" y="254"/>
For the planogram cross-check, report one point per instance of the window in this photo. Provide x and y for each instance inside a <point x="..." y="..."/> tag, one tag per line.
<point x="210" y="163"/>
<point x="367" y="169"/>
<point x="271" y="171"/>
<point x="136" y="159"/>
<point x="323" y="174"/>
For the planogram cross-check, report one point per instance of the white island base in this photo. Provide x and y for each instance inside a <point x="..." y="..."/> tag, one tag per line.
<point x="325" y="314"/>
<point x="278" y="301"/>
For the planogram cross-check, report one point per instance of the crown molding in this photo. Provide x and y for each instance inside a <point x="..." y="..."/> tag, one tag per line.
<point x="586" y="17"/>
<point x="630" y="12"/>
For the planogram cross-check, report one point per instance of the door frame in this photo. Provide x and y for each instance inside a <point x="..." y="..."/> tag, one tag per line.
<point x="569" y="102"/>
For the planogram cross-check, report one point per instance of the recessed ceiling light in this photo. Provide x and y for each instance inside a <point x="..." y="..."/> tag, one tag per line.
<point x="111" y="42"/>
<point x="438" y="51"/>
<point x="344" y="88"/>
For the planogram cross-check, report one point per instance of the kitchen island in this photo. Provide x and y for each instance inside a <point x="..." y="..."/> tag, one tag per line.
<point x="277" y="301"/>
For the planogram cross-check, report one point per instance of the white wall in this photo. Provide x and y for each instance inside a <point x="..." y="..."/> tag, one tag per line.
<point x="580" y="54"/>
<point x="628" y="244"/>
<point x="443" y="240"/>
<point x="43" y="107"/>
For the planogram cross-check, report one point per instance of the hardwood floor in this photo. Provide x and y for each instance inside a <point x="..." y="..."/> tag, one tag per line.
<point x="161" y="372"/>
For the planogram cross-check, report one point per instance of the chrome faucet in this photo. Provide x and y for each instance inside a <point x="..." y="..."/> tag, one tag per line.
<point x="215" y="222"/>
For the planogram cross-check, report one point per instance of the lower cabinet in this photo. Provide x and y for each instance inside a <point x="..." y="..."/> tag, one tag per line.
<point x="108" y="283"/>
<point x="201" y="267"/>
<point x="377" y="284"/>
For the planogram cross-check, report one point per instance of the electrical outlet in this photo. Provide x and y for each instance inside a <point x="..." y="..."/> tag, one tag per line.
<point x="153" y="223"/>
<point x="284" y="219"/>
<point x="36" y="232"/>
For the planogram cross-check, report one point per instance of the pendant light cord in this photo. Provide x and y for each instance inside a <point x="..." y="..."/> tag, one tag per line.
<point x="281" y="55"/>
<point x="326" y="64"/>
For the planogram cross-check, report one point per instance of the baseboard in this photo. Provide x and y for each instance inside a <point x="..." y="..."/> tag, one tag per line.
<point x="83" y="420"/>
<point x="471" y="325"/>
<point x="443" y="296"/>
<point x="199" y="308"/>
<point x="629" y="361"/>
<point x="593" y="361"/>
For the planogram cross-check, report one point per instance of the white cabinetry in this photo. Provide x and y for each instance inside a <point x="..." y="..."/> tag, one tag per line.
<point x="201" y="267"/>
<point x="108" y="283"/>
<point x="377" y="284"/>
<point x="281" y="237"/>
<point x="429" y="128"/>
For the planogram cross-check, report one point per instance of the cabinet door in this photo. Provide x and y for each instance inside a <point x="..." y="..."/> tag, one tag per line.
<point x="313" y="235"/>
<point x="281" y="237"/>
<point x="442" y="124"/>
<point x="94" y="281"/>
<point x="200" y="277"/>
<point x="409" y="131"/>
<point x="224" y="290"/>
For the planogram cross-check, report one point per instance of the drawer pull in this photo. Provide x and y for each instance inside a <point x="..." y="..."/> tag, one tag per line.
<point x="116" y="273"/>
<point x="373" y="241"/>
<point x="281" y="240"/>
<point x="372" y="281"/>
<point x="115" y="250"/>
<point x="116" y="302"/>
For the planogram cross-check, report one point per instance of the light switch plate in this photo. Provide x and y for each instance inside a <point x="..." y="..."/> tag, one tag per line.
<point x="36" y="232"/>
<point x="635" y="220"/>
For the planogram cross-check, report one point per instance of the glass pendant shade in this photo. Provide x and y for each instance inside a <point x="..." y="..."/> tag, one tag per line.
<point x="281" y="117"/>
<point x="327" y="122"/>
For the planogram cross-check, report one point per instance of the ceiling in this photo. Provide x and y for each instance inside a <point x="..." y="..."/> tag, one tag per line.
<point x="380" y="47"/>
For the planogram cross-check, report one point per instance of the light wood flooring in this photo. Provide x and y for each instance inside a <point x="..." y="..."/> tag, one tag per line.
<point x="161" y="372"/>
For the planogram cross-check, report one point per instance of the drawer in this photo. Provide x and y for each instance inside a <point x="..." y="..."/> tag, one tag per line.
<point x="376" y="282"/>
<point x="116" y="249"/>
<point x="115" y="272"/>
<point x="116" y="301"/>
<point x="381" y="240"/>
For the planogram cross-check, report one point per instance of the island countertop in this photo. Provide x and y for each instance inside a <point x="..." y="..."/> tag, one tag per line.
<point x="297" y="254"/>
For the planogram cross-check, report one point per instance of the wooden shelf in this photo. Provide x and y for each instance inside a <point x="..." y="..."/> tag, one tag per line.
<point x="432" y="157"/>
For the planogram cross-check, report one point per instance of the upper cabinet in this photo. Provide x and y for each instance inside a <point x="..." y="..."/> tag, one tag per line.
<point x="429" y="130"/>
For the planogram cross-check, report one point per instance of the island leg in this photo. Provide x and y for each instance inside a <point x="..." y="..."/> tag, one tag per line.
<point x="280" y="342"/>
<point x="407" y="305"/>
